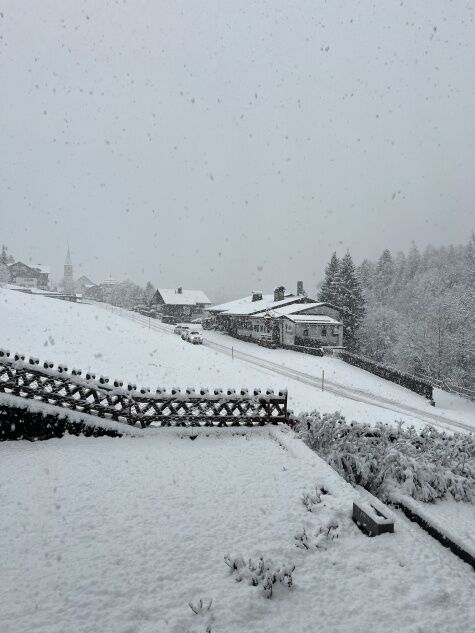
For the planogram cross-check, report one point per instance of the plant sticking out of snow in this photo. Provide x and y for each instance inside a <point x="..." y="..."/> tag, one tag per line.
<point x="200" y="606"/>
<point x="312" y="500"/>
<point x="390" y="460"/>
<point x="321" y="539"/>
<point x="235" y="563"/>
<point x="261" y="573"/>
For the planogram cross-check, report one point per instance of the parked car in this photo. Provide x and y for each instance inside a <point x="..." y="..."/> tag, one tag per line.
<point x="170" y="320"/>
<point x="267" y="340"/>
<point x="194" y="337"/>
<point x="185" y="329"/>
<point x="178" y="328"/>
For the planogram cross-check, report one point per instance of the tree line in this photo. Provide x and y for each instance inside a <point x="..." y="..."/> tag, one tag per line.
<point x="414" y="311"/>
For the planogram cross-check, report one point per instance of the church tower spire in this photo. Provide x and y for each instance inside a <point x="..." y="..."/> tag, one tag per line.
<point x="68" y="274"/>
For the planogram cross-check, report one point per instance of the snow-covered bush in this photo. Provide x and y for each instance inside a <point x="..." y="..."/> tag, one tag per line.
<point x="261" y="572"/>
<point x="312" y="500"/>
<point x="389" y="460"/>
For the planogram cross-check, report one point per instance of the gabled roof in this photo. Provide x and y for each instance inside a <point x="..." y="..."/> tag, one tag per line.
<point x="43" y="269"/>
<point x="299" y="307"/>
<point x="265" y="305"/>
<point x="237" y="303"/>
<point x="109" y="282"/>
<point x="85" y="280"/>
<point x="312" y="319"/>
<point x="171" y="296"/>
<point x="39" y="268"/>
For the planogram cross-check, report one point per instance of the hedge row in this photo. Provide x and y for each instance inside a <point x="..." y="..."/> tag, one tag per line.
<point x="422" y="387"/>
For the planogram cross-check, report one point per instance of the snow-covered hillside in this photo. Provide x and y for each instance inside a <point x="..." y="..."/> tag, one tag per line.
<point x="119" y="535"/>
<point x="120" y="344"/>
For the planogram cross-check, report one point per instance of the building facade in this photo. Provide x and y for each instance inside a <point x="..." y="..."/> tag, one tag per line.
<point x="36" y="276"/>
<point x="83" y="285"/>
<point x="180" y="305"/>
<point x="281" y="319"/>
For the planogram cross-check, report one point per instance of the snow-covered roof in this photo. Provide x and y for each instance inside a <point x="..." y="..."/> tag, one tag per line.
<point x="313" y="319"/>
<point x="237" y="303"/>
<point x="296" y="308"/>
<point x="109" y="282"/>
<point x="85" y="280"/>
<point x="171" y="296"/>
<point x="38" y="267"/>
<point x="262" y="306"/>
<point x="43" y="269"/>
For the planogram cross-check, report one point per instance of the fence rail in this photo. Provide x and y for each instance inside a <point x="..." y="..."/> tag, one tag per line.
<point x="98" y="397"/>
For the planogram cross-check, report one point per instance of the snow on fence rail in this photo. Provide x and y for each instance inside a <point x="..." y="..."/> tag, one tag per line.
<point x="71" y="391"/>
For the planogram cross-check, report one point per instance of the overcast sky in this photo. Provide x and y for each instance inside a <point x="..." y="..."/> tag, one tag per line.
<point x="233" y="145"/>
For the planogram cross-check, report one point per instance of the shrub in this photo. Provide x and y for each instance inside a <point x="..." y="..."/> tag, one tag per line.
<point x="261" y="572"/>
<point x="389" y="460"/>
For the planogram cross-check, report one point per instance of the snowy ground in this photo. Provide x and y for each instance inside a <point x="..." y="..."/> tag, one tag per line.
<point x="120" y="344"/>
<point x="118" y="535"/>
<point x="452" y="518"/>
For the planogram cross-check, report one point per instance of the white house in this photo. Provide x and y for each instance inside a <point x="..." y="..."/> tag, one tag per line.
<point x="285" y="319"/>
<point x="178" y="304"/>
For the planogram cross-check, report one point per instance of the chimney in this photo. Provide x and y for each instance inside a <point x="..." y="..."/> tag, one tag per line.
<point x="256" y="295"/>
<point x="279" y="293"/>
<point x="300" y="290"/>
<point x="180" y="290"/>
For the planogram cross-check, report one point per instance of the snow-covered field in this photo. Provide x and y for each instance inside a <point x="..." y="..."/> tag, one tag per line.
<point x="120" y="344"/>
<point x="118" y="535"/>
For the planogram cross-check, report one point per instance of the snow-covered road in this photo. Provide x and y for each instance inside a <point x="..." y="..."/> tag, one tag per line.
<point x="406" y="404"/>
<point x="125" y="345"/>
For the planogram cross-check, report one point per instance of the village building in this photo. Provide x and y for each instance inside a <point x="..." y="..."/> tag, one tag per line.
<point x="180" y="305"/>
<point x="104" y="291"/>
<point x="34" y="276"/>
<point x="281" y="319"/>
<point x="4" y="274"/>
<point x="83" y="285"/>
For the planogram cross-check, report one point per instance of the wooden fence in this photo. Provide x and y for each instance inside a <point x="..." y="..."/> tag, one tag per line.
<point x="71" y="391"/>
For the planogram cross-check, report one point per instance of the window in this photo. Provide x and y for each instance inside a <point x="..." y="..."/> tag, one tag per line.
<point x="324" y="331"/>
<point x="305" y="333"/>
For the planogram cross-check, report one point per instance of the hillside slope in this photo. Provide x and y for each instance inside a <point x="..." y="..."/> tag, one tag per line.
<point x="98" y="339"/>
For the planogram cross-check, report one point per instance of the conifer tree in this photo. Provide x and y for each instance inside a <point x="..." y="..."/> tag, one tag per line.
<point x="384" y="275"/>
<point x="350" y="299"/>
<point x="413" y="262"/>
<point x="4" y="255"/>
<point x="331" y="283"/>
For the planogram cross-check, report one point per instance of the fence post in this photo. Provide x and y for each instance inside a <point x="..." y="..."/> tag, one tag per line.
<point x="323" y="380"/>
<point x="232" y="353"/>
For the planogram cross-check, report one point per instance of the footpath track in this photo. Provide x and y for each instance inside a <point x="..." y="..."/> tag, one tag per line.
<point x="336" y="388"/>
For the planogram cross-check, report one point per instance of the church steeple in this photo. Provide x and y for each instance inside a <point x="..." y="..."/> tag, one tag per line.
<point x="68" y="274"/>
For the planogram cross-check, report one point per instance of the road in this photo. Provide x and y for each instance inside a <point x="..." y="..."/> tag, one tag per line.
<point x="226" y="347"/>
